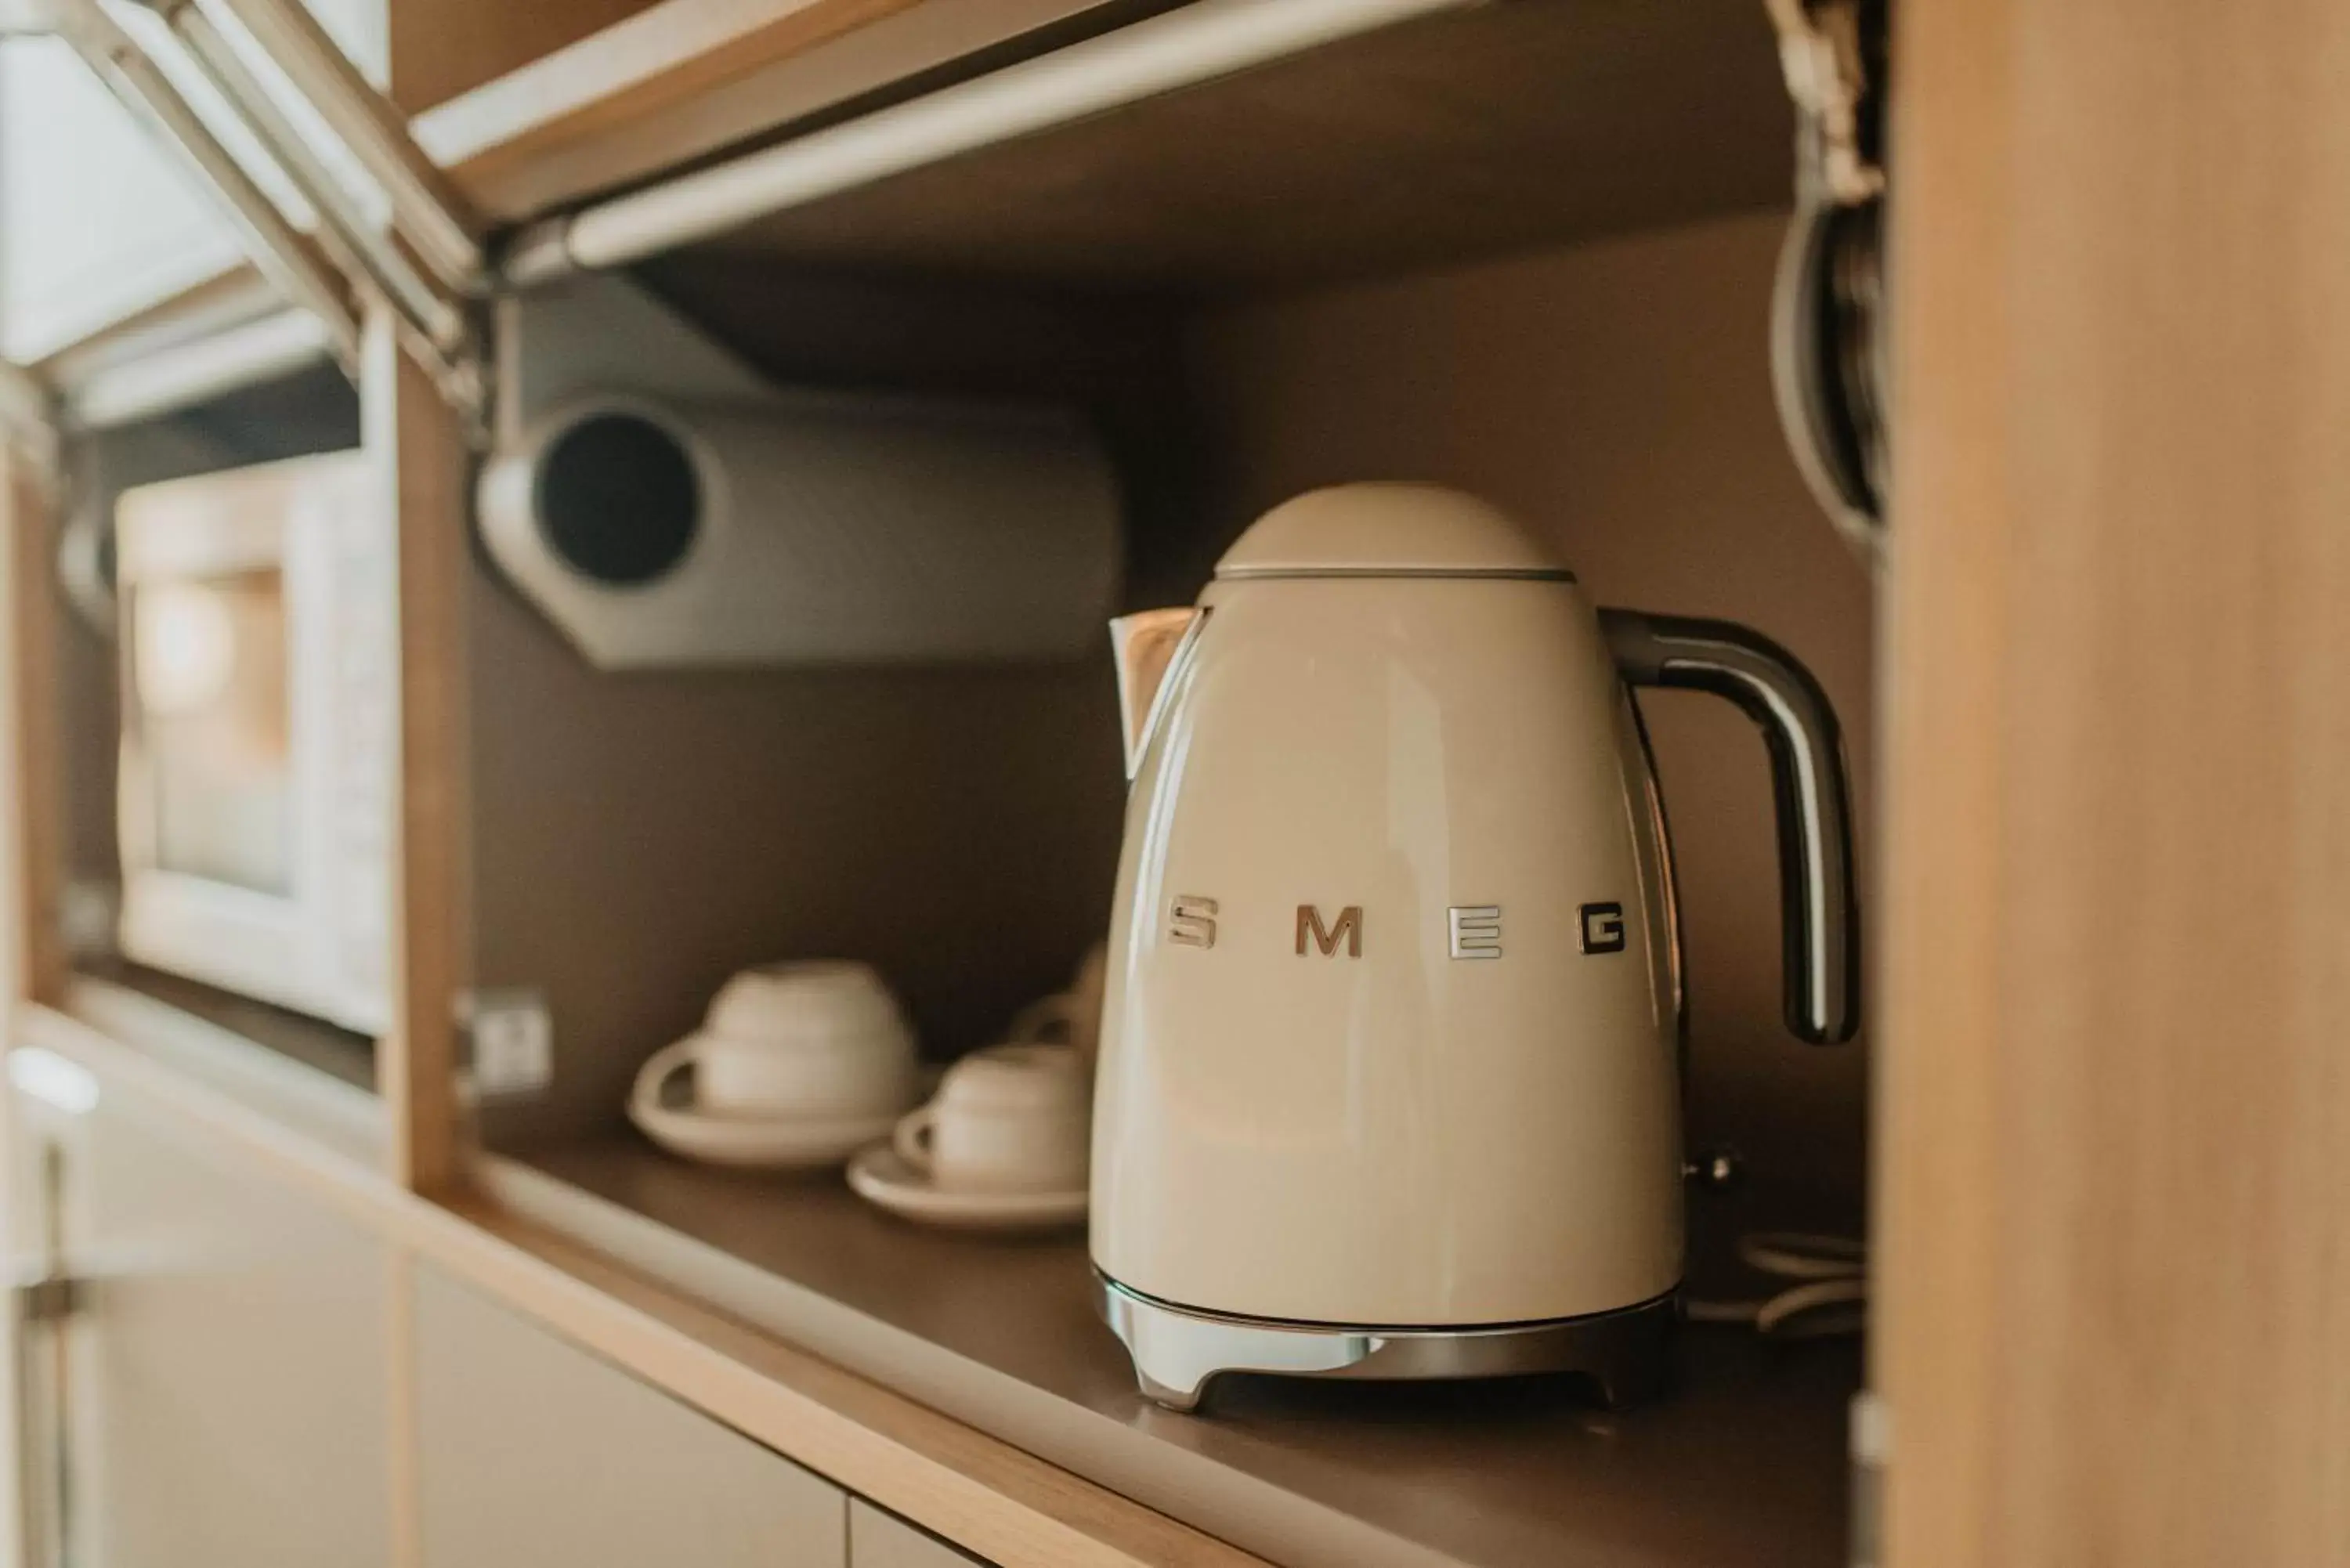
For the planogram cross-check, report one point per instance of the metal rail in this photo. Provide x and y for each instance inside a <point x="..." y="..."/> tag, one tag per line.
<point x="426" y="210"/>
<point x="440" y="326"/>
<point x="1183" y="48"/>
<point x="365" y="245"/>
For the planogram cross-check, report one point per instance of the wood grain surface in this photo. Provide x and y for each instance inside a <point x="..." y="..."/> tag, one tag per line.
<point x="447" y="47"/>
<point x="2115" y="1091"/>
<point x="652" y="59"/>
<point x="427" y="468"/>
<point x="1463" y="134"/>
<point x="34" y="746"/>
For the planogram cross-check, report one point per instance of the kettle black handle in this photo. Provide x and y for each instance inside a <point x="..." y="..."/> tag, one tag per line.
<point x="1819" y="908"/>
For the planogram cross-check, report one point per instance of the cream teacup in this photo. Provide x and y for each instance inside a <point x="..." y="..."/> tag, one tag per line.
<point x="804" y="997"/>
<point x="819" y="1041"/>
<point x="1010" y="1118"/>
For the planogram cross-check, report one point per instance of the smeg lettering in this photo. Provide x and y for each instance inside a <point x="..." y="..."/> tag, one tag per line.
<point x="1471" y="931"/>
<point x="1348" y="930"/>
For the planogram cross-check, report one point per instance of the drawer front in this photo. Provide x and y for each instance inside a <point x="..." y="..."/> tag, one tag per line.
<point x="532" y="1450"/>
<point x="879" y="1540"/>
<point x="223" y="1401"/>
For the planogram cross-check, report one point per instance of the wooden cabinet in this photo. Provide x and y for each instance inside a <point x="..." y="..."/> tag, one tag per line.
<point x="532" y="1451"/>
<point x="222" y="1396"/>
<point x="879" y="1540"/>
<point x="2092" y="696"/>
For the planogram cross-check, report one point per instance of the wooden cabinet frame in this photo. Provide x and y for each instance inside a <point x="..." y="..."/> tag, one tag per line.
<point x="36" y="956"/>
<point x="420" y="443"/>
<point x="2115" y="1091"/>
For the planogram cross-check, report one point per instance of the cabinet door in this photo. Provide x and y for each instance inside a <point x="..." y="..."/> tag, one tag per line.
<point x="97" y="219"/>
<point x="222" y="1395"/>
<point x="879" y="1540"/>
<point x="532" y="1450"/>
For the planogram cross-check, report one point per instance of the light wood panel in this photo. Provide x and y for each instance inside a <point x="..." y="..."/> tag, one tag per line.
<point x="2116" y="1253"/>
<point x="544" y="103"/>
<point x="34" y="751"/>
<point x="33" y="852"/>
<point x="421" y="447"/>
<point x="447" y="47"/>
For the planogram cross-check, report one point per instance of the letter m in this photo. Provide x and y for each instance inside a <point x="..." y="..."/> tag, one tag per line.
<point x="1349" y="927"/>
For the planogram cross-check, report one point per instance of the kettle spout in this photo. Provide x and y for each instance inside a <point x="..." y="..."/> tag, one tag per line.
<point x="1146" y="644"/>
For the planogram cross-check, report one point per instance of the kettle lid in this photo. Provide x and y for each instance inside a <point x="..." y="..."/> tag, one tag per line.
<point x="1387" y="530"/>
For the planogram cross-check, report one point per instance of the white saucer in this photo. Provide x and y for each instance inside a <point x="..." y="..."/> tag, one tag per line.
<point x="883" y="1179"/>
<point x="757" y="1142"/>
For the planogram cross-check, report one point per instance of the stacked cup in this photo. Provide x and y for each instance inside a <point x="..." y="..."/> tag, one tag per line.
<point x="1010" y="1118"/>
<point x="1003" y="1146"/>
<point x="797" y="1065"/>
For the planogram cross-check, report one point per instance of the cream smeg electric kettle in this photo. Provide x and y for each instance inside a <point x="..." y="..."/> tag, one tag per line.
<point x="1389" y="1082"/>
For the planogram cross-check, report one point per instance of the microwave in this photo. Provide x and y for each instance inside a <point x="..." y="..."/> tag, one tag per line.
<point x="258" y="648"/>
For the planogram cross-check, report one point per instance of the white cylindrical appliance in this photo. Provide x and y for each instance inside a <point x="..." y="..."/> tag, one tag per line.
<point x="808" y="529"/>
<point x="1389" y="1082"/>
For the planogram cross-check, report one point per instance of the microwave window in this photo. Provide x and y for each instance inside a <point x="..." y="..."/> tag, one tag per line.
<point x="209" y="683"/>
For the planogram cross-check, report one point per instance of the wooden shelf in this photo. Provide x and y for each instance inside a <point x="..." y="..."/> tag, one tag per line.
<point x="682" y="79"/>
<point x="1457" y="136"/>
<point x="1743" y="1467"/>
<point x="1460" y="134"/>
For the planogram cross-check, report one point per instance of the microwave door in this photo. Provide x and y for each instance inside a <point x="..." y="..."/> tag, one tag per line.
<point x="210" y="683"/>
<point x="257" y="680"/>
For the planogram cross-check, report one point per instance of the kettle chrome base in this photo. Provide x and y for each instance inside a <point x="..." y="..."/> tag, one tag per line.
<point x="1178" y="1350"/>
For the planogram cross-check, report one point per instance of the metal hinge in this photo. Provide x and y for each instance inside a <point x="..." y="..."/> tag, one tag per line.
<point x="52" y="1299"/>
<point x="438" y="322"/>
<point x="1822" y="53"/>
<point x="1828" y="339"/>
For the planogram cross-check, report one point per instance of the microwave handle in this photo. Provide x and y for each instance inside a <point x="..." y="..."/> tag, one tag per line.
<point x="1818" y="905"/>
